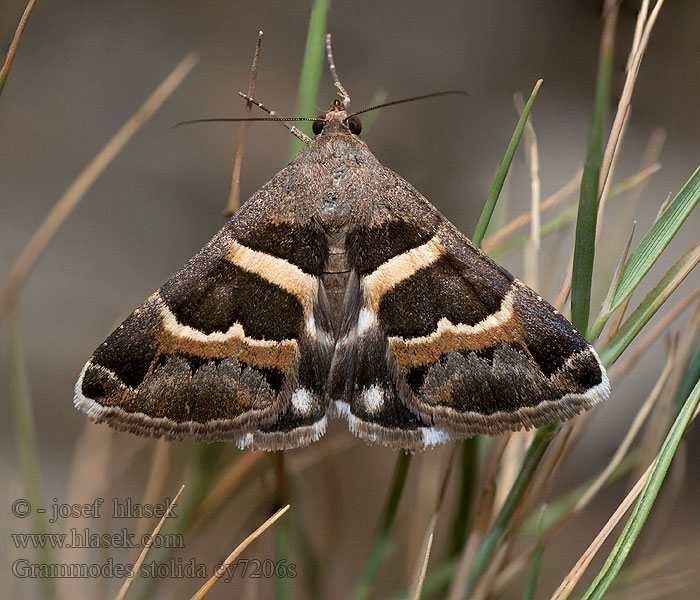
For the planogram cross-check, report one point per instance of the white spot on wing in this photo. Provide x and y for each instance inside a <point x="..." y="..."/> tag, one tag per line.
<point x="302" y="401"/>
<point x="373" y="399"/>
<point x="433" y="437"/>
<point x="245" y="441"/>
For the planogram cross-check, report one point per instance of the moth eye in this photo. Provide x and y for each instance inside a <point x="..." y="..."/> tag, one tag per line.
<point x="317" y="127"/>
<point x="354" y="125"/>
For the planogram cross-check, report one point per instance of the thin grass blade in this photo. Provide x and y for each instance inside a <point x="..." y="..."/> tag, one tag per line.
<point x="653" y="244"/>
<point x="383" y="540"/>
<point x="584" y="249"/>
<point x="595" y="331"/>
<point x="497" y="185"/>
<point x="653" y="301"/>
<point x="494" y="537"/>
<point x="639" y="515"/>
<point x="311" y="70"/>
<point x="531" y="586"/>
<point x="690" y="378"/>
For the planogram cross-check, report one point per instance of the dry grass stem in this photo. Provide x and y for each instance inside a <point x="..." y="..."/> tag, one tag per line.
<point x="638" y="30"/>
<point x="481" y="520"/>
<point x="75" y="192"/>
<point x="90" y="477"/>
<point x="142" y="557"/>
<point x="422" y="566"/>
<point x="635" y="427"/>
<point x="14" y="44"/>
<point x="429" y="472"/>
<point x="635" y="182"/>
<point x="570" y="581"/>
<point x="483" y="589"/>
<point x="636" y="54"/>
<point x="619" y="315"/>
<point x="459" y="581"/>
<point x="234" y="198"/>
<point x="523" y="219"/>
<point x="647" y="166"/>
<point x="516" y="566"/>
<point x="509" y="466"/>
<point x="620" y="117"/>
<point x="204" y="590"/>
<point x="563" y="295"/>
<point x="581" y="565"/>
<point x="607" y="303"/>
<point x="532" y="248"/>
<point x="667" y="507"/>
<point x="541" y="483"/>
<point x="226" y="484"/>
<point x="650" y="156"/>
<point x="665" y="410"/>
<point x="606" y="189"/>
<point x="659" y="588"/>
<point x="158" y="473"/>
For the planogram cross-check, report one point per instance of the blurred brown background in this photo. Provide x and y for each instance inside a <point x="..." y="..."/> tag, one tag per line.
<point x="84" y="67"/>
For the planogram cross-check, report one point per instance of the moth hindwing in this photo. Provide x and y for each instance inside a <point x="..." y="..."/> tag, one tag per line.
<point x="338" y="290"/>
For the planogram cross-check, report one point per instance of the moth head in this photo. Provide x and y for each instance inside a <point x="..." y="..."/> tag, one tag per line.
<point x="337" y="120"/>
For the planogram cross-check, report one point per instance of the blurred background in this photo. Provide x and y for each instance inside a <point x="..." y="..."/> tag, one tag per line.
<point x="83" y="68"/>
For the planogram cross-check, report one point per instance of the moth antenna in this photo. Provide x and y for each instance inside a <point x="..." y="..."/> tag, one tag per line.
<point x="297" y="132"/>
<point x="238" y="120"/>
<point x="331" y="63"/>
<point x="433" y="95"/>
<point x="284" y="120"/>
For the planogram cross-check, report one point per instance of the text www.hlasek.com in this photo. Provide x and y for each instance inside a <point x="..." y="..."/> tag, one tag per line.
<point x="84" y="538"/>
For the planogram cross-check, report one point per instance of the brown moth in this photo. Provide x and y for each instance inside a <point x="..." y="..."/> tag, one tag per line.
<point x="337" y="290"/>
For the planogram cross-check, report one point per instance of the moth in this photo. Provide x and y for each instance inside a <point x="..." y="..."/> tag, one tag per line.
<point x="338" y="290"/>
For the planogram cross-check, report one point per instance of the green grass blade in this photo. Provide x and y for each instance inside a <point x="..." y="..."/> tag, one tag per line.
<point x="653" y="244"/>
<point x="25" y="437"/>
<point x="653" y="301"/>
<point x="494" y="537"/>
<point x="531" y="586"/>
<point x="639" y="515"/>
<point x="584" y="249"/>
<point x="477" y="238"/>
<point x="497" y="185"/>
<point x="383" y="541"/>
<point x="690" y="378"/>
<point x="467" y="489"/>
<point x="282" y="542"/>
<point x="311" y="71"/>
<point x="597" y="327"/>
